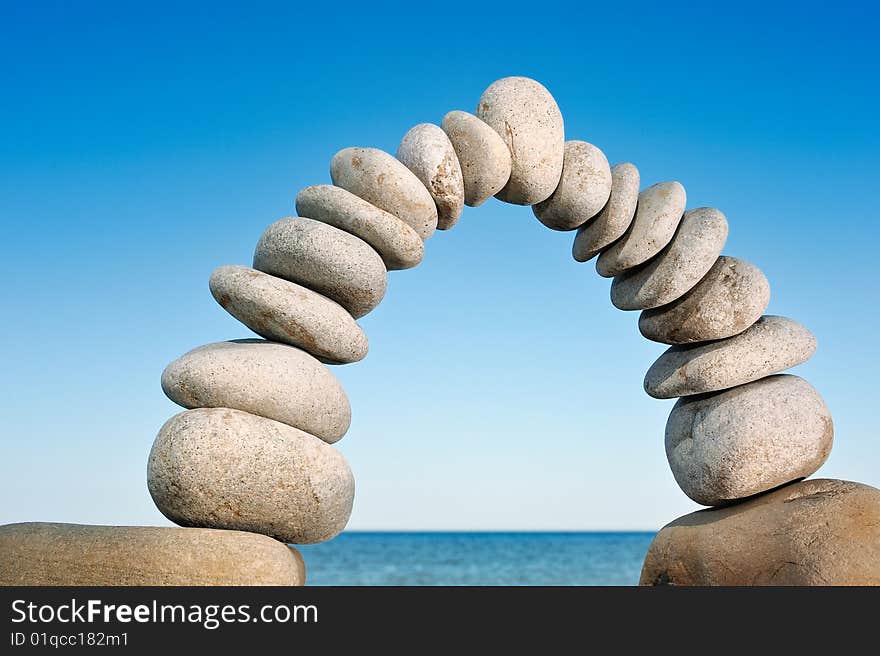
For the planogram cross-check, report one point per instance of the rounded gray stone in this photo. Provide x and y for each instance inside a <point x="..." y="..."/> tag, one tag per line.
<point x="222" y="468"/>
<point x="678" y="267"/>
<point x="729" y="299"/>
<point x="659" y="210"/>
<point x="325" y="259"/>
<point x="752" y="438"/>
<point x="399" y="246"/>
<point x="583" y="189"/>
<point x="770" y="345"/>
<point x="283" y="311"/>
<point x="426" y="151"/>
<point x="614" y="219"/>
<point x="482" y="154"/>
<point x="528" y="119"/>
<point x="41" y="553"/>
<point x="380" y="179"/>
<point x="272" y="380"/>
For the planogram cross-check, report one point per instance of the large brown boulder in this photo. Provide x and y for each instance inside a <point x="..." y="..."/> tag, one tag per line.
<point x="72" y="554"/>
<point x="814" y="532"/>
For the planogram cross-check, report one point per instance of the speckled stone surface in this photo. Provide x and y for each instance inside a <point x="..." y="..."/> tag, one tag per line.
<point x="426" y="151"/>
<point x="729" y="445"/>
<point x="223" y="468"/>
<point x="37" y="553"/>
<point x="276" y="381"/>
<point x="772" y="344"/>
<point x="399" y="246"/>
<point x="382" y="180"/>
<point x="815" y="532"/>
<point x="612" y="222"/>
<point x="482" y="154"/>
<point x="285" y="312"/>
<point x="528" y="119"/>
<point x="676" y="269"/>
<point x="583" y="189"/>
<point x="729" y="299"/>
<point x="324" y="259"/>
<point x="659" y="210"/>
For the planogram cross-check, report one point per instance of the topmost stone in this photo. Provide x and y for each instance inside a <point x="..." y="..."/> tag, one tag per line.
<point x="527" y="117"/>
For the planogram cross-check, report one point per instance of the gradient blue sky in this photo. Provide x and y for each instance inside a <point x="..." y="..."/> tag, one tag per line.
<point x="143" y="146"/>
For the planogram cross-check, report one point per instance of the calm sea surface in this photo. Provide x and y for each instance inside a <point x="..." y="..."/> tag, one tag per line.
<point x="356" y="558"/>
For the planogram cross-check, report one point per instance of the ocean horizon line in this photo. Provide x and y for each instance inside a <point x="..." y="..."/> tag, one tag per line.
<point x="520" y="557"/>
<point x="499" y="531"/>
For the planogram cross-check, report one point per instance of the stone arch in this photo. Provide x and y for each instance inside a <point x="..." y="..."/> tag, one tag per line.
<point x="739" y="429"/>
<point x="740" y="438"/>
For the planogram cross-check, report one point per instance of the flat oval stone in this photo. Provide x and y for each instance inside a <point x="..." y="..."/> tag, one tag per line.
<point x="325" y="259"/>
<point x="729" y="299"/>
<point x="399" y="246"/>
<point x="528" y="119"/>
<point x="285" y="312"/>
<point x="770" y="345"/>
<point x="614" y="219"/>
<point x="426" y="151"/>
<point x="730" y="445"/>
<point x="674" y="271"/>
<point x="659" y="210"/>
<point x="583" y="189"/>
<point x="482" y="154"/>
<point x="275" y="381"/>
<point x="221" y="468"/>
<point x="37" y="553"/>
<point x="815" y="532"/>
<point x="378" y="178"/>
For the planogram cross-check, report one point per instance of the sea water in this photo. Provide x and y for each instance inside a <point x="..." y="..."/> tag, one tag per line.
<point x="362" y="558"/>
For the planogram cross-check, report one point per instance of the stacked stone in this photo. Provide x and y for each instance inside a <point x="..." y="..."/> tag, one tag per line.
<point x="742" y="433"/>
<point x="252" y="456"/>
<point x="253" y="452"/>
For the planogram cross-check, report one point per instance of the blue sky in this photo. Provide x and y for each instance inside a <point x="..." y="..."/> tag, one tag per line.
<point x="143" y="146"/>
